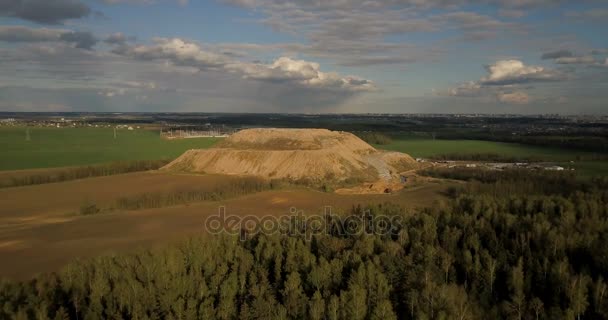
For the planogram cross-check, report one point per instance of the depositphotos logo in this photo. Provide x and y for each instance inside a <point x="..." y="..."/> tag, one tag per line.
<point x="296" y="223"/>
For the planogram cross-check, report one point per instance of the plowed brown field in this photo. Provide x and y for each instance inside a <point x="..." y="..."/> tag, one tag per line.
<point x="40" y="232"/>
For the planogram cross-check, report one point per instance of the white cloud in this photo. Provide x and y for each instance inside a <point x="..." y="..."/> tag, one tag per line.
<point x="283" y="70"/>
<point x="515" y="97"/>
<point x="177" y="51"/>
<point x="112" y="93"/>
<point x="467" y="89"/>
<point x="505" y="72"/>
<point x="504" y="81"/>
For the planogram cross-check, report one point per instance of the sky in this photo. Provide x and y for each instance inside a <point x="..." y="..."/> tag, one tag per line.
<point x="305" y="56"/>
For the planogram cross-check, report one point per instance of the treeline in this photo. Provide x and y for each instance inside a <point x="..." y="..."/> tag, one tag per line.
<point x="516" y="181"/>
<point x="478" y="256"/>
<point x="374" y="137"/>
<point x="65" y="174"/>
<point x="484" y="157"/>
<point x="227" y="189"/>
<point x="585" y="143"/>
<point x="574" y="140"/>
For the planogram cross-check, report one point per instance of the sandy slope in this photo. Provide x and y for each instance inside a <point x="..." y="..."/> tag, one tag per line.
<point x="315" y="154"/>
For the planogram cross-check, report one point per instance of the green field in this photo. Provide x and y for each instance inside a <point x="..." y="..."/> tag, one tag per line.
<point x="425" y="147"/>
<point x="60" y="147"/>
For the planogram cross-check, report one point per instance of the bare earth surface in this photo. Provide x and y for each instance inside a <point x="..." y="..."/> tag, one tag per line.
<point x="39" y="231"/>
<point x="314" y="154"/>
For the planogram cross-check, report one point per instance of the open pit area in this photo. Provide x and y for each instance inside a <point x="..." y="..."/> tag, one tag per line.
<point x="308" y="155"/>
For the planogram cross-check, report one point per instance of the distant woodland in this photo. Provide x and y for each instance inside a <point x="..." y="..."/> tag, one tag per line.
<point x="490" y="252"/>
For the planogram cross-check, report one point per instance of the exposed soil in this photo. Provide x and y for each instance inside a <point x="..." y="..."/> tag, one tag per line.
<point x="37" y="234"/>
<point x="311" y="154"/>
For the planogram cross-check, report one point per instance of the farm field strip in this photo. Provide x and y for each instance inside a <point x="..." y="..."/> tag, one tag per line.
<point x="423" y="147"/>
<point x="62" y="147"/>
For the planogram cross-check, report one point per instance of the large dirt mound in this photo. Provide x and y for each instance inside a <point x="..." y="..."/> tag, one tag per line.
<point x="312" y="154"/>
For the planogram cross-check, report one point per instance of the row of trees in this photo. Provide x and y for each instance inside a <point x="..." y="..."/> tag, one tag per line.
<point x="372" y="137"/>
<point x="485" y="156"/>
<point x="479" y="256"/>
<point x="73" y="173"/>
<point x="223" y="190"/>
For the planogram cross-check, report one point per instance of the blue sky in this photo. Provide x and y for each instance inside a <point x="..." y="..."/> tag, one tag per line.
<point x="397" y="56"/>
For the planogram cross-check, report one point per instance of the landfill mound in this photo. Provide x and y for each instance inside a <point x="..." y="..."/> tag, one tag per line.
<point x="311" y="154"/>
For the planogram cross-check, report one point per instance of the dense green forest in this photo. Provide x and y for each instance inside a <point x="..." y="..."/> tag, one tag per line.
<point x="486" y="253"/>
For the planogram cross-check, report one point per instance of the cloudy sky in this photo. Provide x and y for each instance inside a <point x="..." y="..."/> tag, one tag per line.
<point x="397" y="56"/>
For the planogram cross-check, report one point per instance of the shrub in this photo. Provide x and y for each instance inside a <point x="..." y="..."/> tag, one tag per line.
<point x="374" y="138"/>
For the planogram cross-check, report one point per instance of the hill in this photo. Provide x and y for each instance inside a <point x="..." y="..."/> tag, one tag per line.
<point x="311" y="154"/>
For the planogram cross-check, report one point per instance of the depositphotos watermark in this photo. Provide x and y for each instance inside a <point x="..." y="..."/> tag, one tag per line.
<point x="296" y="223"/>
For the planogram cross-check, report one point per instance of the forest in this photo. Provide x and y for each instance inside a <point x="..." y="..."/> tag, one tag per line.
<point x="486" y="253"/>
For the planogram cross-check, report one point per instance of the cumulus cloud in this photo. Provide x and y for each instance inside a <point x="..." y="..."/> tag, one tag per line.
<point x="557" y="54"/>
<point x="504" y="82"/>
<point x="505" y="72"/>
<point x="515" y="97"/>
<point x="176" y="51"/>
<point x="467" y="89"/>
<point x="44" y="11"/>
<point x="283" y="70"/>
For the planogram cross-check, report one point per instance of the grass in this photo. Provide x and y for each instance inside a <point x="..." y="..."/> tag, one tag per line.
<point x="426" y="148"/>
<point x="588" y="169"/>
<point x="60" y="147"/>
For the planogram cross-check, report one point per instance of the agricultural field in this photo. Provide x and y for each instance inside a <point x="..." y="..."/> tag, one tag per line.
<point x="45" y="234"/>
<point x="426" y="147"/>
<point x="419" y="147"/>
<point x="61" y="147"/>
